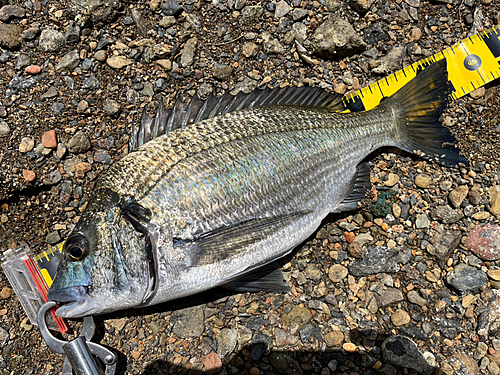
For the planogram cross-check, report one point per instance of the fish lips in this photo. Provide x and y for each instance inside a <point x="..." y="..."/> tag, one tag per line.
<point x="74" y="299"/>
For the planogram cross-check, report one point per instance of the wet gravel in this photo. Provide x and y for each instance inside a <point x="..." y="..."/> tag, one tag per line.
<point x="409" y="283"/>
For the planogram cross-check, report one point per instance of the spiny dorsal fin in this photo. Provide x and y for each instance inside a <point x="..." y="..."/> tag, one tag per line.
<point x="197" y="110"/>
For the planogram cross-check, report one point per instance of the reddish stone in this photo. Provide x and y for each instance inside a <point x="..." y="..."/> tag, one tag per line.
<point x="33" y="69"/>
<point x="484" y="241"/>
<point x="212" y="363"/>
<point x="349" y="236"/>
<point x="49" y="139"/>
<point x="29" y="176"/>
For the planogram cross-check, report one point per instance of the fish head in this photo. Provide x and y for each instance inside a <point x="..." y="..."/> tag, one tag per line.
<point x="103" y="266"/>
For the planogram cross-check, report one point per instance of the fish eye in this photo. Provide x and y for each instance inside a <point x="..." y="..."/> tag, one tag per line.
<point x="77" y="247"/>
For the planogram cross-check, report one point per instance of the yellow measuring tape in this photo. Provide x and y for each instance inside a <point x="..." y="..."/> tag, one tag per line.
<point x="472" y="63"/>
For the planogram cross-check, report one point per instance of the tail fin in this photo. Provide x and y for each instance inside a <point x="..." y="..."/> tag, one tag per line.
<point x="423" y="100"/>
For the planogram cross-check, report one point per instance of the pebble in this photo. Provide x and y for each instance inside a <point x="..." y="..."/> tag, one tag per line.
<point x="484" y="241"/>
<point x="337" y="273"/>
<point x="6" y="292"/>
<point x="282" y="9"/>
<point x="226" y="342"/>
<point x="334" y="339"/>
<point x="10" y="36"/>
<point x="26" y="145"/>
<point x="118" y="62"/>
<point x="190" y="322"/>
<point x="212" y="363"/>
<point x="79" y="169"/>
<point x="111" y="107"/>
<point x="8" y="12"/>
<point x="51" y="40"/>
<point x="478" y="93"/>
<point x="79" y="143"/>
<point x="53" y="238"/>
<point x="69" y="61"/>
<point x="33" y="69"/>
<point x="414" y="297"/>
<point x="457" y="195"/>
<point x="49" y="139"/>
<point x="260" y="343"/>
<point x="422" y="222"/>
<point x="375" y="260"/>
<point x="422" y="181"/>
<point x="4" y="129"/>
<point x="336" y="37"/>
<point x="222" y="72"/>
<point x="400" y="317"/>
<point x="494" y="193"/>
<point x="284" y="363"/>
<point x="171" y="8"/>
<point x="403" y="352"/>
<point x="466" y="279"/>
<point x="392" y="179"/>
<point x="29" y="176"/>
<point x="188" y="53"/>
<point x="389" y="297"/>
<point x="298" y="314"/>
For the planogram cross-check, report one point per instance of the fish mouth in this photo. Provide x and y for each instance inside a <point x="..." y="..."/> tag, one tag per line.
<point x="74" y="301"/>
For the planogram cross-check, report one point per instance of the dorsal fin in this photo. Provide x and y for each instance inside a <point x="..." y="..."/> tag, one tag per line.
<point x="197" y="110"/>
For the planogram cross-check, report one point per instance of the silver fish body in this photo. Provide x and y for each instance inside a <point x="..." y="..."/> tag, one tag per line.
<point x="206" y="204"/>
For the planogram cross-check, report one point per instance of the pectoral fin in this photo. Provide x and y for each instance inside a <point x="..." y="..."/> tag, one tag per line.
<point x="226" y="242"/>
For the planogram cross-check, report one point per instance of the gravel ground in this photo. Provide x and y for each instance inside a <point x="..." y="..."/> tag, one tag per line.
<point x="409" y="280"/>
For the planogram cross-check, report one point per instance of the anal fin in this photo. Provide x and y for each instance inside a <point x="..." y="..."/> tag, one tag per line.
<point x="268" y="278"/>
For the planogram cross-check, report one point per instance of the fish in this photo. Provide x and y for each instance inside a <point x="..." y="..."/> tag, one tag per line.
<point x="215" y="192"/>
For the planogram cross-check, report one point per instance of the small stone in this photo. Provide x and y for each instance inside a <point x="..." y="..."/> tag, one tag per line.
<point x="79" y="169"/>
<point x="111" y="107"/>
<point x="249" y="49"/>
<point x="190" y="323"/>
<point x="422" y="222"/>
<point x="260" y="343"/>
<point x="53" y="238"/>
<point x="79" y="143"/>
<point x="400" y="317"/>
<point x="484" y="241"/>
<point x="33" y="69"/>
<point x="362" y="6"/>
<point x="414" y="297"/>
<point x="392" y="179"/>
<point x="227" y="341"/>
<point x="167" y="21"/>
<point x="403" y="352"/>
<point x="494" y="274"/>
<point x="355" y="249"/>
<point x="299" y="314"/>
<point x="478" y="93"/>
<point x="61" y="150"/>
<point x="49" y="139"/>
<point x="284" y="363"/>
<point x="481" y="215"/>
<point x="422" y="181"/>
<point x="457" y="195"/>
<point x="282" y="9"/>
<point x="4" y="129"/>
<point x="165" y="64"/>
<point x="51" y="40"/>
<point x="350" y="347"/>
<point x="212" y="363"/>
<point x="11" y="11"/>
<point x="29" y="176"/>
<point x="375" y="260"/>
<point x="26" y="145"/>
<point x="468" y="300"/>
<point x="334" y="339"/>
<point x="222" y="72"/>
<point x="171" y="8"/>
<point x="337" y="273"/>
<point x="10" y="36"/>
<point x="494" y="192"/>
<point x="118" y="62"/>
<point x="52" y="92"/>
<point x="6" y="292"/>
<point x="188" y="53"/>
<point x="69" y="61"/>
<point x="466" y="279"/>
<point x="389" y="297"/>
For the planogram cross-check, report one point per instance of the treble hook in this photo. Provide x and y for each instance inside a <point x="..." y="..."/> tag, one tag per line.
<point x="79" y="352"/>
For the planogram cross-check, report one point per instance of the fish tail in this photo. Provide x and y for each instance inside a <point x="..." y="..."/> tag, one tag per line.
<point x="422" y="101"/>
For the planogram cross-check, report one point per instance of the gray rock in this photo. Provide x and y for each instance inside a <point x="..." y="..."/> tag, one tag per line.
<point x="299" y="13"/>
<point x="57" y="107"/>
<point x="247" y="85"/>
<point x="271" y="45"/>
<point x="30" y="33"/>
<point x="375" y="33"/>
<point x="52" y="92"/>
<point x="99" y="12"/>
<point x="336" y="37"/>
<point x="69" y="61"/>
<point x="11" y="11"/>
<point x="309" y="331"/>
<point x="171" y="8"/>
<point x="282" y="9"/>
<point x="51" y="40"/>
<point x="4" y="129"/>
<point x="188" y="52"/>
<point x="70" y="82"/>
<point x="446" y="214"/>
<point x="466" y="279"/>
<point x="52" y="178"/>
<point x="190" y="322"/>
<point x="19" y="83"/>
<point x="91" y="83"/>
<point x="312" y="272"/>
<point x="284" y="363"/>
<point x="444" y="244"/>
<point x="167" y="21"/>
<point x="205" y="90"/>
<point x="226" y="342"/>
<point x="260" y="342"/>
<point x="5" y="56"/>
<point x="148" y="89"/>
<point x="22" y="61"/>
<point x="80" y="142"/>
<point x="102" y="156"/>
<point x="111" y="107"/>
<point x="361" y="6"/>
<point x="251" y="13"/>
<point x="10" y="36"/>
<point x="415" y="298"/>
<point x="53" y="238"/>
<point x="72" y="33"/>
<point x="4" y="337"/>
<point x="390" y="62"/>
<point x="422" y="221"/>
<point x="375" y="260"/>
<point x="222" y="72"/>
<point x="61" y="150"/>
<point x="403" y="352"/>
<point x="132" y="96"/>
<point x="139" y="21"/>
<point x="390" y="296"/>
